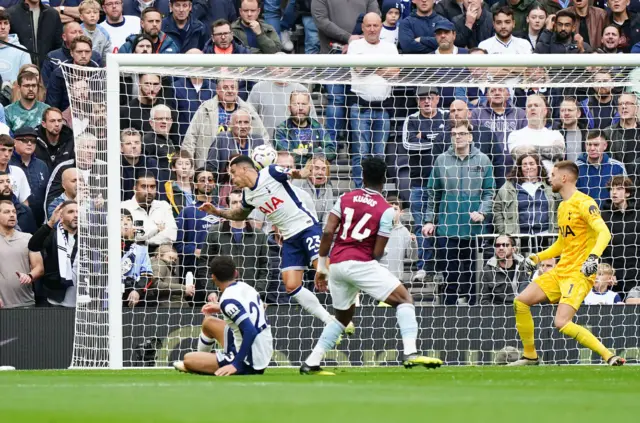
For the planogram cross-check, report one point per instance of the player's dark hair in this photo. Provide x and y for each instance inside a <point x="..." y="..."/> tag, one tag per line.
<point x="242" y="159"/>
<point x="569" y="166"/>
<point x="223" y="268"/>
<point x="374" y="171"/>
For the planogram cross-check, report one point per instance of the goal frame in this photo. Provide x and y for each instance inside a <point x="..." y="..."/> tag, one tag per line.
<point x="119" y="62"/>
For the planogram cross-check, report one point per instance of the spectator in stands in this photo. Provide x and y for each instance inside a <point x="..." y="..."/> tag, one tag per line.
<point x="166" y="288"/>
<point x="562" y="40"/>
<point x="161" y="143"/>
<point x="504" y="42"/>
<point x="70" y="190"/>
<point x="311" y="38"/>
<point x="93" y="170"/>
<point x="334" y="20"/>
<point x="401" y="245"/>
<point x="520" y="8"/>
<point x="271" y="99"/>
<point x="596" y="168"/>
<point x="68" y="10"/>
<point x="117" y="25"/>
<point x="222" y="40"/>
<point x="239" y="240"/>
<point x="178" y="191"/>
<point x="90" y="15"/>
<point x="391" y="16"/>
<point x="137" y="113"/>
<point x="423" y="136"/>
<point x="495" y="119"/>
<point x="187" y="31"/>
<point x="610" y="40"/>
<point x="19" y="267"/>
<point x="193" y="224"/>
<point x="624" y="134"/>
<point x="151" y="24"/>
<point x="449" y="9"/>
<point x="238" y="139"/>
<point x="417" y="31"/>
<point x="369" y="119"/>
<point x="620" y="14"/>
<point x="213" y="117"/>
<point x="133" y="161"/>
<point x="460" y="194"/>
<point x="301" y="134"/>
<point x="474" y="25"/>
<point x="137" y="270"/>
<point x="634" y="296"/>
<point x="36" y="170"/>
<point x="622" y="216"/>
<point x="10" y="50"/>
<point x="536" y="19"/>
<point x="601" y="292"/>
<point x="548" y="143"/>
<point x="154" y="217"/>
<point x="590" y="21"/>
<point x="71" y="31"/>
<point x="258" y="36"/>
<point x="81" y="50"/>
<point x="55" y="139"/>
<point x="190" y="93"/>
<point x="445" y="37"/>
<point x="40" y="37"/>
<point x="544" y="267"/>
<point x="504" y="275"/>
<point x="58" y="243"/>
<point x="599" y="108"/>
<point x="41" y="92"/>
<point x="26" y="222"/>
<point x="570" y="127"/>
<point x="319" y="187"/>
<point x="137" y="7"/>
<point x="525" y="204"/>
<point x="28" y="110"/>
<point x="19" y="181"/>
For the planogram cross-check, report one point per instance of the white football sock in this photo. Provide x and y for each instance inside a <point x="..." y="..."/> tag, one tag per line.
<point x="327" y="341"/>
<point x="205" y="343"/>
<point x="406" y="315"/>
<point x="310" y="302"/>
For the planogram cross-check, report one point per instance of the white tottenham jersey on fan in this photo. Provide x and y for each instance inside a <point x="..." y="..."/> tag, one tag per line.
<point x="240" y="302"/>
<point x="274" y="196"/>
<point x="120" y="31"/>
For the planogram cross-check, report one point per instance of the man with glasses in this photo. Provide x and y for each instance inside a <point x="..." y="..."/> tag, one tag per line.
<point x="222" y="41"/>
<point x="504" y="276"/>
<point x="117" y="25"/>
<point x="27" y="111"/>
<point x="36" y="170"/>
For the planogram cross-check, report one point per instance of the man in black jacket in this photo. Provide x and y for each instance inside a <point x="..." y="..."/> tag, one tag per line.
<point x="41" y="37"/>
<point x="563" y="40"/>
<point x="55" y="139"/>
<point x="474" y="25"/>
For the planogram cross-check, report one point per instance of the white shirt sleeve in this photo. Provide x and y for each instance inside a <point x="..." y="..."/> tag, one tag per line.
<point x="336" y="210"/>
<point x="19" y="184"/>
<point x="386" y="222"/>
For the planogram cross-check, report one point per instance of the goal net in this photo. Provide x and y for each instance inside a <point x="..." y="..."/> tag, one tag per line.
<point x="469" y="145"/>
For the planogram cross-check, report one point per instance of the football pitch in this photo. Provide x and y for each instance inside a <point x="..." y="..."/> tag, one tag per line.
<point x="449" y="394"/>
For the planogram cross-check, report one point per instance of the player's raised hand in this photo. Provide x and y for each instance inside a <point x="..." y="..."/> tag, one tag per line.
<point x="209" y="209"/>
<point x="320" y="282"/>
<point x="227" y="370"/>
<point x="590" y="266"/>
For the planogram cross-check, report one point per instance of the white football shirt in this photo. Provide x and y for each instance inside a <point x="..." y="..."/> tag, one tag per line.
<point x="371" y="86"/>
<point x="514" y="46"/>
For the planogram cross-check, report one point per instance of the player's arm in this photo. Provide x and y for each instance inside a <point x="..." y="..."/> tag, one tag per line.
<point x="239" y="214"/>
<point x="553" y="251"/>
<point x="384" y="232"/>
<point x="333" y="222"/>
<point x="591" y="214"/>
<point x="236" y="312"/>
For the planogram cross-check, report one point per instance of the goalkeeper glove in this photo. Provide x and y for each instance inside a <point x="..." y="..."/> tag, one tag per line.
<point x="531" y="264"/>
<point x="590" y="266"/>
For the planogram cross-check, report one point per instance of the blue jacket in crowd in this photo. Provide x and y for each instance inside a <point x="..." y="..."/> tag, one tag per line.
<point x="208" y="11"/>
<point x="165" y="45"/>
<point x="593" y="178"/>
<point x="24" y="216"/>
<point x="193" y="35"/>
<point x="189" y="100"/>
<point x="418" y="26"/>
<point x="193" y="226"/>
<point x="424" y="150"/>
<point x="37" y="173"/>
<point x="132" y="7"/>
<point x="63" y="54"/>
<point x="57" y="95"/>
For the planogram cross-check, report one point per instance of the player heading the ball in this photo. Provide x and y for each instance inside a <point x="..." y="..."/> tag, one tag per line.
<point x="270" y="192"/>
<point x="583" y="237"/>
<point x="363" y="220"/>
<point x="244" y="334"/>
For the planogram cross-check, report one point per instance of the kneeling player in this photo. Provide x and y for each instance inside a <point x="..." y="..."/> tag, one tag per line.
<point x="244" y="334"/>
<point x="365" y="220"/>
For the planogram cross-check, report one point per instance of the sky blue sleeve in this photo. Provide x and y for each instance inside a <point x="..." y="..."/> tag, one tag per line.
<point x="386" y="222"/>
<point x="145" y="263"/>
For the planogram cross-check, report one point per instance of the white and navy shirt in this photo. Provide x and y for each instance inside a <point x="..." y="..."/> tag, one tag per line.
<point x="238" y="303"/>
<point x="19" y="183"/>
<point x="607" y="297"/>
<point x="120" y="31"/>
<point x="276" y="198"/>
<point x="515" y="45"/>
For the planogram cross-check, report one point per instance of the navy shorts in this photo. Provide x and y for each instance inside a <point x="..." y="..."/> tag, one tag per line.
<point x="299" y="251"/>
<point x="226" y="356"/>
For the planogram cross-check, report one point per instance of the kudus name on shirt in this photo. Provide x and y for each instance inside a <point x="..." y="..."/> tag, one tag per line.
<point x="365" y="200"/>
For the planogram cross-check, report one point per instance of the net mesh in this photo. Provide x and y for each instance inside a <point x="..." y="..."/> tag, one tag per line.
<point x="463" y="300"/>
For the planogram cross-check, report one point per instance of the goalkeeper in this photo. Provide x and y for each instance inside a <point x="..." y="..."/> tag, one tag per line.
<point x="583" y="237"/>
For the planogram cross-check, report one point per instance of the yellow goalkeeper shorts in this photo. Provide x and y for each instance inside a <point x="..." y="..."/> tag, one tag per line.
<point x="566" y="289"/>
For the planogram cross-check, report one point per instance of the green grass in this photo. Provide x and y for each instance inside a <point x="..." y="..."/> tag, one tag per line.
<point x="449" y="394"/>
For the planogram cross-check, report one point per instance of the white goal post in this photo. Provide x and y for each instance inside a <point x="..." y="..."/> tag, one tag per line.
<point x="563" y="70"/>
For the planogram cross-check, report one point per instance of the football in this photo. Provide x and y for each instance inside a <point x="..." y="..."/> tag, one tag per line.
<point x="263" y="156"/>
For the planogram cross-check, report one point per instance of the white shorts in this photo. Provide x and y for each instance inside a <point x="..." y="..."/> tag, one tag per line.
<point x="348" y="278"/>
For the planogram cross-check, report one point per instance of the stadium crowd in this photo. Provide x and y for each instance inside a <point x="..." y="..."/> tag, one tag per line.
<point x="468" y="166"/>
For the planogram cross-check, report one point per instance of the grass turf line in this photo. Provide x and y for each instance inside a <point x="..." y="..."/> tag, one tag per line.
<point x="451" y="394"/>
